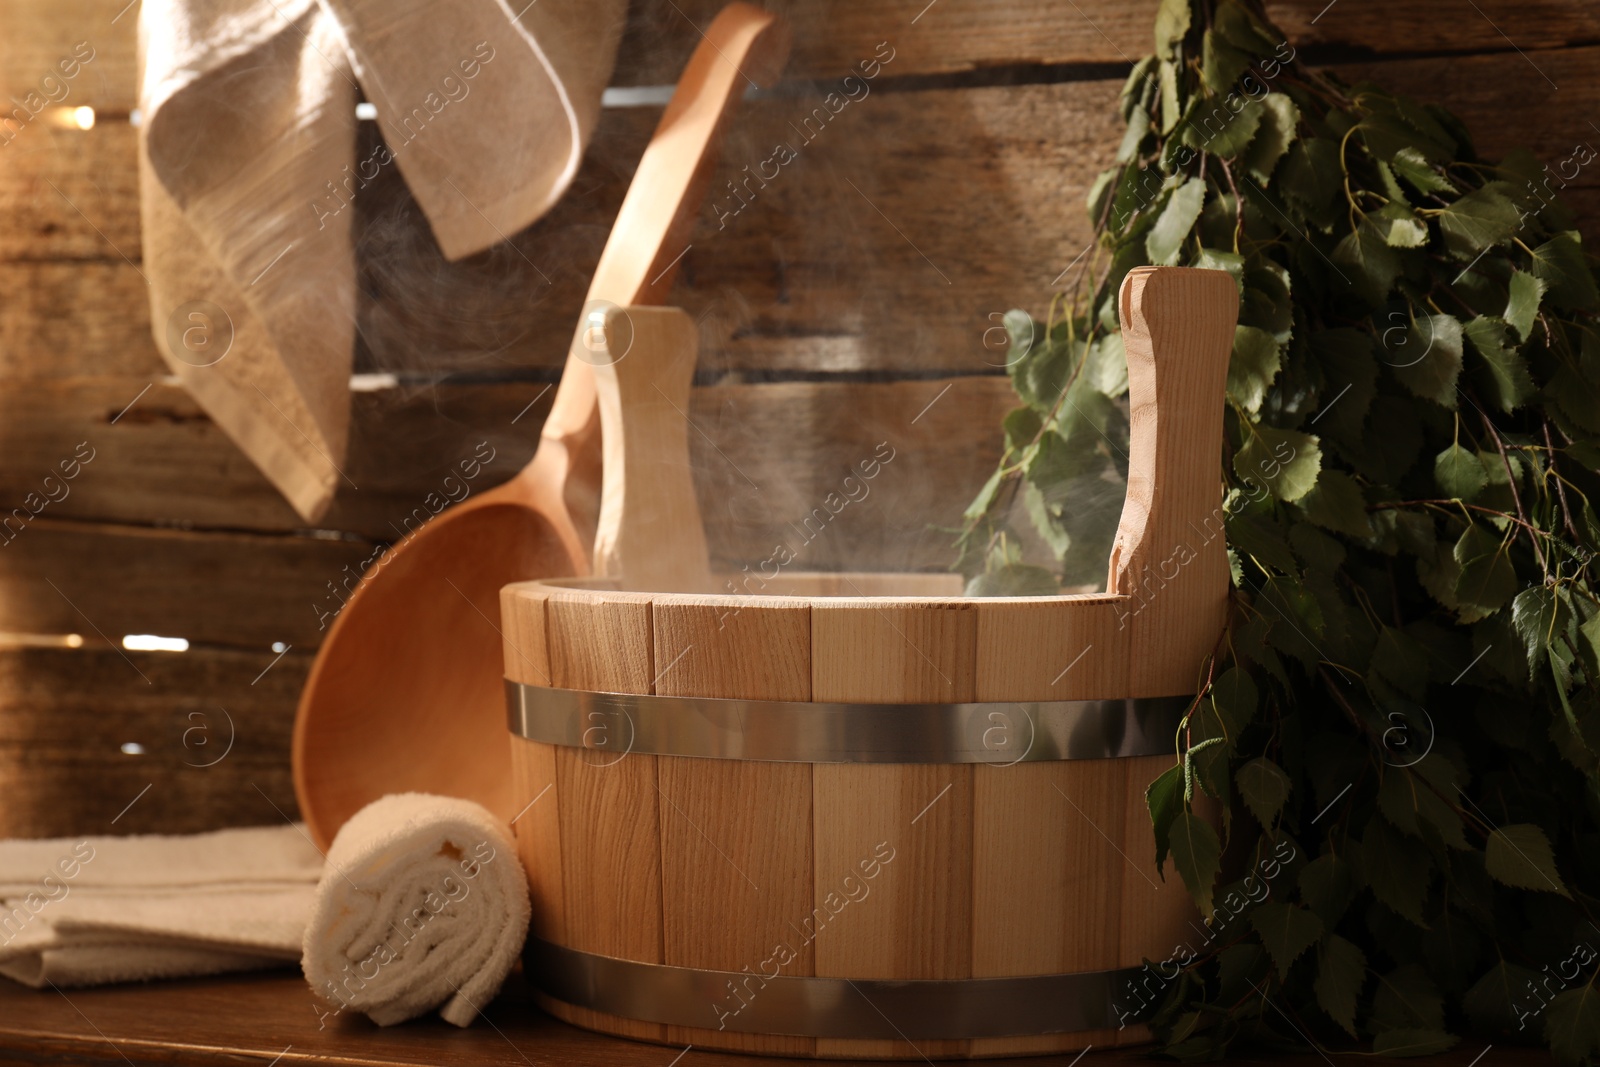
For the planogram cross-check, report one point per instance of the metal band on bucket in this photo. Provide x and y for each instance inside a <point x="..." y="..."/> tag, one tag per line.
<point x="785" y="731"/>
<point x="752" y="1003"/>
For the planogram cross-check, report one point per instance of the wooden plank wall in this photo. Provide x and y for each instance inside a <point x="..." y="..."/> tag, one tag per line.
<point x="849" y="295"/>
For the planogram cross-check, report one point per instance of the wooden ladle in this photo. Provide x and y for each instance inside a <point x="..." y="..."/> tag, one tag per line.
<point x="405" y="693"/>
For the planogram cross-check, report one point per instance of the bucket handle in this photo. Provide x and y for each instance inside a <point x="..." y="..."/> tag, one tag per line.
<point x="1177" y="330"/>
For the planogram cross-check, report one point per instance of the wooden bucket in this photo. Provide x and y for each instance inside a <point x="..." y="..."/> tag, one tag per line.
<point x="860" y="815"/>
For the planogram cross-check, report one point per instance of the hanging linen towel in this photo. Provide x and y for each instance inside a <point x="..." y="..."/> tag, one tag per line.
<point x="249" y="169"/>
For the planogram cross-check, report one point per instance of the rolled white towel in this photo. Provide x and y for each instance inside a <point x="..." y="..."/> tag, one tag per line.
<point x="423" y="903"/>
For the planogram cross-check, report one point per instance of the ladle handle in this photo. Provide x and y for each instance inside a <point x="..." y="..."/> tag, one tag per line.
<point x="743" y="46"/>
<point x="649" y="533"/>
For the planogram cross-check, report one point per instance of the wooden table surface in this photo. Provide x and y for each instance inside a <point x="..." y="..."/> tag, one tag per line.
<point x="272" y="1019"/>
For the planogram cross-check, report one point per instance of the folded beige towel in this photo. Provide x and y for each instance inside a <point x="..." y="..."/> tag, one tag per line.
<point x="423" y="905"/>
<point x="249" y="169"/>
<point x="91" y="910"/>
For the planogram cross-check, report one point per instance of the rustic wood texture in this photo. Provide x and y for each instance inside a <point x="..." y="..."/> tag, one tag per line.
<point x="736" y="837"/>
<point x="916" y="922"/>
<point x="1170" y="555"/>
<point x="1047" y="874"/>
<point x="1047" y="882"/>
<point x="255" y="1018"/>
<point x="891" y="652"/>
<point x="159" y="460"/>
<point x="537" y="823"/>
<point x="833" y="36"/>
<point x="810" y="276"/>
<point x="103" y="581"/>
<point x="213" y="726"/>
<point x="610" y="806"/>
<point x="766" y="457"/>
<point x="1067" y="648"/>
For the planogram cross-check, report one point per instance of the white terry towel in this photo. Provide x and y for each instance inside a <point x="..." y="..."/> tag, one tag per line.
<point x="424" y="903"/>
<point x="91" y="910"/>
<point x="249" y="171"/>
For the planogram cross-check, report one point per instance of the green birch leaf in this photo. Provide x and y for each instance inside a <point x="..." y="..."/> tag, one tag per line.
<point x="1315" y="549"/>
<point x="1221" y="63"/>
<point x="1240" y="28"/>
<point x="1239" y="966"/>
<point x="1411" y="165"/>
<point x="1367" y="262"/>
<point x="1295" y="619"/>
<point x="1459" y="474"/>
<point x="1327" y="886"/>
<point x="1104" y="185"/>
<point x="1494" y="1001"/>
<point x="1106" y="369"/>
<point x="1407" y="998"/>
<point x="1505" y="374"/>
<point x="1522" y="307"/>
<point x="1401" y="661"/>
<point x="1264" y="787"/>
<point x="1285" y="461"/>
<point x="1341" y="972"/>
<point x="1021" y="426"/>
<point x="1258" y="537"/>
<point x="1413" y="1043"/>
<point x="1590" y="633"/>
<point x="1172" y="23"/>
<point x="1253" y="366"/>
<point x="1488" y="580"/>
<point x="1562" y="266"/>
<point x="980" y="504"/>
<point x="1481" y="219"/>
<point x="1430" y="362"/>
<point x="1352" y="375"/>
<point x="1235" y="698"/>
<point x="1171" y="107"/>
<point x="1213" y="259"/>
<point x="1134" y="87"/>
<point x="1438" y="574"/>
<point x="1391" y="184"/>
<point x="1396" y="870"/>
<point x="1175" y="221"/>
<point x="1539" y="618"/>
<point x="1335" y="503"/>
<point x="1519" y="855"/>
<point x="1280" y="120"/>
<point x="1572" y="1024"/>
<point x="1139" y="127"/>
<point x="1286" y="930"/>
<point x="1401" y="228"/>
<point x="1407" y="801"/>
<point x="1428" y="121"/>
<point x="1164" y="798"/>
<point x="1310" y="178"/>
<point x="1266" y="301"/>
<point x="1219" y="129"/>
<point x="1197" y="854"/>
<point x="1046" y="520"/>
